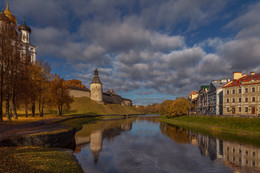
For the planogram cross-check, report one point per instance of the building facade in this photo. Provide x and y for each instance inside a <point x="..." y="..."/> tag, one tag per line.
<point x="241" y="96"/>
<point x="27" y="50"/>
<point x="203" y="100"/>
<point x="193" y="97"/>
<point x="215" y="97"/>
<point x="96" y="93"/>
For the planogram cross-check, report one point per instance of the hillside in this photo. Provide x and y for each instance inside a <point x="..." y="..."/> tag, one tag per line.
<point x="86" y="106"/>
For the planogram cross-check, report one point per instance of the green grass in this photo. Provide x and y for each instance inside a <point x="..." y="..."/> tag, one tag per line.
<point x="249" y="124"/>
<point x="36" y="159"/>
<point x="242" y="130"/>
<point x="85" y="106"/>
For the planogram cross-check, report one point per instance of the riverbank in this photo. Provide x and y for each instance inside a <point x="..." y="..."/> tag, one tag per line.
<point x="41" y="132"/>
<point x="242" y="130"/>
<point x="37" y="159"/>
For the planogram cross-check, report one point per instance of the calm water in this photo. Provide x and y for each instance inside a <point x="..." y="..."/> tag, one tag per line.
<point x="146" y="145"/>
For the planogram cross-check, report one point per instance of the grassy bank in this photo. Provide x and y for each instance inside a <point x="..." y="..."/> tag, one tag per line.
<point x="39" y="159"/>
<point x="242" y="130"/>
<point x="36" y="159"/>
<point x="86" y="106"/>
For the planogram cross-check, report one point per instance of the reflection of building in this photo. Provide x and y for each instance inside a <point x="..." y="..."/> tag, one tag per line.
<point x="207" y="145"/>
<point x="96" y="132"/>
<point x="96" y="143"/>
<point x="241" y="158"/>
<point x="241" y="155"/>
<point x="241" y="96"/>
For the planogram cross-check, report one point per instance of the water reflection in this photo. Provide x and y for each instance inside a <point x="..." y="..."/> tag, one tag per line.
<point x="140" y="145"/>
<point x="241" y="158"/>
<point x="94" y="133"/>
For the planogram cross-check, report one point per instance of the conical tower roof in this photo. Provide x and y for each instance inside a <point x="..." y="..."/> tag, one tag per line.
<point x="96" y="77"/>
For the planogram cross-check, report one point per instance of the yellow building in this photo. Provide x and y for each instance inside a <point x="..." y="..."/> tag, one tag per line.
<point x="241" y="96"/>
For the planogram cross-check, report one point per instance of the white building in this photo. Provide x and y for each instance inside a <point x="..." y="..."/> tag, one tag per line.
<point x="24" y="31"/>
<point x="215" y="96"/>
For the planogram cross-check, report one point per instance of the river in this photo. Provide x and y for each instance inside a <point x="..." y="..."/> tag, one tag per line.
<point x="144" y="144"/>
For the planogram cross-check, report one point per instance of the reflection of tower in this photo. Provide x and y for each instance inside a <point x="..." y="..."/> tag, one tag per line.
<point x="96" y="88"/>
<point x="96" y="144"/>
<point x="127" y="125"/>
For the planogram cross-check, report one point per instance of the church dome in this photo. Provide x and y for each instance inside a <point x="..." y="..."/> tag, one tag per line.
<point x="10" y="15"/>
<point x="24" y="27"/>
<point x="4" y="18"/>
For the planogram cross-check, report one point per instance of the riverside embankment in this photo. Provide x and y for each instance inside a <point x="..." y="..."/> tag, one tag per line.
<point x="30" y="144"/>
<point x="242" y="130"/>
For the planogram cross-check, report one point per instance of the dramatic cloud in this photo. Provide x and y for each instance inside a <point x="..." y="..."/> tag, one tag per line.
<point x="146" y="50"/>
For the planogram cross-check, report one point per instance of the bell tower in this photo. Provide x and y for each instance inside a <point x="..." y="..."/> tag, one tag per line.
<point x="25" y="32"/>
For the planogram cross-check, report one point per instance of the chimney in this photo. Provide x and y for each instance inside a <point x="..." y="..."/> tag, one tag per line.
<point x="252" y="73"/>
<point x="237" y="75"/>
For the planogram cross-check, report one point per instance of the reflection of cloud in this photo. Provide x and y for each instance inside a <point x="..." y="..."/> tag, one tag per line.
<point x="146" y="149"/>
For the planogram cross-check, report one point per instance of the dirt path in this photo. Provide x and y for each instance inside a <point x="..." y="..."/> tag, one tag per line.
<point x="14" y="129"/>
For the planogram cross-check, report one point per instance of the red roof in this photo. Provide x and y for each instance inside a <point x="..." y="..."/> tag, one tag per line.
<point x="240" y="81"/>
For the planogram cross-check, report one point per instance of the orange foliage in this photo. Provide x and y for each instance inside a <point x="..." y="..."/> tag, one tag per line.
<point x="75" y="83"/>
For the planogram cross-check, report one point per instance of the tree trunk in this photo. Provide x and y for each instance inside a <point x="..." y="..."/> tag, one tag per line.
<point x="26" y="110"/>
<point x="33" y="107"/>
<point x="40" y="107"/>
<point x="7" y="108"/>
<point x="2" y="93"/>
<point x="41" y="111"/>
<point x="14" y="108"/>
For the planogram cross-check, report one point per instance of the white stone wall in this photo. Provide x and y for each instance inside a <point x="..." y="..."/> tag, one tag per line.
<point x="96" y="92"/>
<point x="79" y="93"/>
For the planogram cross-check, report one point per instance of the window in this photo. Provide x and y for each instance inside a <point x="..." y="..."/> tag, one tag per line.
<point x="233" y="92"/>
<point x="246" y="90"/>
<point x="246" y="109"/>
<point x="253" y="99"/>
<point x="239" y="109"/>
<point x="234" y="100"/>
<point x="239" y="90"/>
<point x="246" y="99"/>
<point x="228" y="111"/>
<point x="227" y="91"/>
<point x="253" y="89"/>
<point x="239" y="99"/>
<point x="227" y="100"/>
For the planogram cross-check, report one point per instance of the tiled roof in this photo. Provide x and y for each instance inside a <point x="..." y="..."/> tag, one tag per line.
<point x="244" y="78"/>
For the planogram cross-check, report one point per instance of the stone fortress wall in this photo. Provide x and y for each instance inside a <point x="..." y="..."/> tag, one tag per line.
<point x="96" y="93"/>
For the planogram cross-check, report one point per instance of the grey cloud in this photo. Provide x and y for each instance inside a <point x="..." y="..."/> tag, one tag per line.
<point x="169" y="13"/>
<point x="42" y="13"/>
<point x="242" y="54"/>
<point x="248" y="23"/>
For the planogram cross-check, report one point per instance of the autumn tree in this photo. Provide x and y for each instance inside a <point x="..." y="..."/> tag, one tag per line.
<point x="165" y="107"/>
<point x="59" y="94"/>
<point x="9" y="63"/>
<point x="74" y="83"/>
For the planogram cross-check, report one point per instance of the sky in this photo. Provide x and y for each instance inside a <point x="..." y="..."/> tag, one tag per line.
<point x="146" y="50"/>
